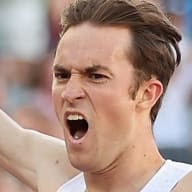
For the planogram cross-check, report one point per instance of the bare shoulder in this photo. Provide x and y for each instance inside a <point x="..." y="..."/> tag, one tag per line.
<point x="185" y="185"/>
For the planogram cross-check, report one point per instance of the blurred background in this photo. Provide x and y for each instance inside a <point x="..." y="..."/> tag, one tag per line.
<point x="29" y="33"/>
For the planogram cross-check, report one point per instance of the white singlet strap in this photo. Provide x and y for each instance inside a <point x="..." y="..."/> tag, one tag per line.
<point x="75" y="184"/>
<point x="167" y="177"/>
<point x="163" y="181"/>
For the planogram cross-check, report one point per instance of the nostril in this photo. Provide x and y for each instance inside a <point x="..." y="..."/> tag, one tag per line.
<point x="72" y="95"/>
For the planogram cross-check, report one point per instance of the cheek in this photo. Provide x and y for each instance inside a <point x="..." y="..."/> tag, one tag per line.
<point x="117" y="113"/>
<point x="115" y="110"/>
<point x="115" y="124"/>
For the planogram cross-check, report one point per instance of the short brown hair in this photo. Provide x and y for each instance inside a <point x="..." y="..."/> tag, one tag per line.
<point x="155" y="39"/>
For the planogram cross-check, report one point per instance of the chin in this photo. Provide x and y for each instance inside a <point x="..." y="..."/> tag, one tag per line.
<point x="82" y="165"/>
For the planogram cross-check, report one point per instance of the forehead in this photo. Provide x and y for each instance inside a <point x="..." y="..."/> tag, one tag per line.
<point x="93" y="43"/>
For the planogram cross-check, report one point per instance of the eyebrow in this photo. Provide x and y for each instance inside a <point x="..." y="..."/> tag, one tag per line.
<point x="59" y="68"/>
<point x="87" y="70"/>
<point x="94" y="68"/>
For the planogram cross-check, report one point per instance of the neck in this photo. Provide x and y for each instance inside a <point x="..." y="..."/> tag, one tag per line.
<point x="131" y="171"/>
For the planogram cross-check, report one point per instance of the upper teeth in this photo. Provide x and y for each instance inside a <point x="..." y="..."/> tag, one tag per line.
<point x="75" y="117"/>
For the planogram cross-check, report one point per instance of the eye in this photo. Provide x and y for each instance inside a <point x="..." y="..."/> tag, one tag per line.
<point x="97" y="77"/>
<point x="62" y="76"/>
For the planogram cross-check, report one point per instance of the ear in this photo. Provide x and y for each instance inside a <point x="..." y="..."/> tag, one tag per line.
<point x="148" y="94"/>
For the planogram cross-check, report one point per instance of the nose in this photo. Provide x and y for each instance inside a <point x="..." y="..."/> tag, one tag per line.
<point x="73" y="90"/>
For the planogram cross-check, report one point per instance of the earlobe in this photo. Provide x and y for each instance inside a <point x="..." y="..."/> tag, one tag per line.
<point x="149" y="93"/>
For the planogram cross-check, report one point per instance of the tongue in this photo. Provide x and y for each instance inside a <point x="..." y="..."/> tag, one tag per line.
<point x="78" y="135"/>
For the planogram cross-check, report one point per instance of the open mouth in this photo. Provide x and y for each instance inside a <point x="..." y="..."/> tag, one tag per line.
<point x="78" y="126"/>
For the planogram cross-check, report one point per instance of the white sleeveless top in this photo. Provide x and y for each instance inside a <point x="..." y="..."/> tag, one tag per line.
<point x="163" y="181"/>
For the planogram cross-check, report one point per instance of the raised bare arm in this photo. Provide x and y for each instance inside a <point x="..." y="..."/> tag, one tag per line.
<point x="33" y="157"/>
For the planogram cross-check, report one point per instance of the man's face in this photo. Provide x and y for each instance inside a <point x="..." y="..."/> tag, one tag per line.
<point x="91" y="84"/>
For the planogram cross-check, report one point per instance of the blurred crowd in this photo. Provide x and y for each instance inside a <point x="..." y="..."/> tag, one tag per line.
<point x="29" y="34"/>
